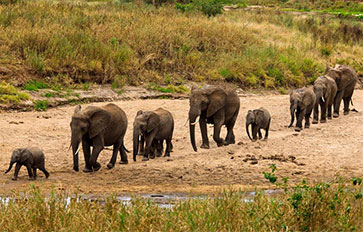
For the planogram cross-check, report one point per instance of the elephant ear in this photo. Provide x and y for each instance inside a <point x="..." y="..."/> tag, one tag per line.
<point x="26" y="156"/>
<point x="217" y="99"/>
<point x="259" y="116"/>
<point x="99" y="120"/>
<point x="139" y="112"/>
<point x="152" y="122"/>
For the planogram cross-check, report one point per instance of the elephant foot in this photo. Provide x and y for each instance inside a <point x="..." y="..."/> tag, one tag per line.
<point x="323" y="121"/>
<point x="265" y="139"/>
<point x="87" y="170"/>
<point x="346" y="112"/>
<point x="145" y="159"/>
<point x="306" y="126"/>
<point x="298" y="129"/>
<point x="315" y="121"/>
<point x="47" y="175"/>
<point x="152" y="156"/>
<point x="141" y="154"/>
<point x="14" y="178"/>
<point x="167" y="155"/>
<point x="330" y="117"/>
<point x="335" y="115"/>
<point x="96" y="168"/>
<point x="124" y="162"/>
<point x="204" y="146"/>
<point x="110" y="165"/>
<point x="158" y="154"/>
<point x="76" y="169"/>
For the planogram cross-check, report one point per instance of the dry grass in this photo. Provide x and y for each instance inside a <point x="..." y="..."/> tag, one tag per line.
<point x="79" y="42"/>
<point x="322" y="207"/>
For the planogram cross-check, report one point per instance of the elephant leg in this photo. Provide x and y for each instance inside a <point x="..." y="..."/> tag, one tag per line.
<point x="323" y="112"/>
<point x="337" y="101"/>
<point x="169" y="145"/>
<point x="230" y="138"/>
<point x="153" y="149"/>
<point x="116" y="148"/>
<point x="267" y="129"/>
<point x="30" y="172"/>
<point x="141" y="146"/>
<point x="16" y="172"/>
<point x="307" y="117"/>
<point x="35" y="173"/>
<point x="203" y="130"/>
<point x="87" y="154"/>
<point x="160" y="147"/>
<point x="299" y="115"/>
<point x="316" y="112"/>
<point x="254" y="132"/>
<point x="46" y="173"/>
<point x="149" y="141"/>
<point x="216" y="133"/>
<point x="98" y="146"/>
<point x="346" y="105"/>
<point x="329" y="111"/>
<point x="259" y="133"/>
<point x="123" y="154"/>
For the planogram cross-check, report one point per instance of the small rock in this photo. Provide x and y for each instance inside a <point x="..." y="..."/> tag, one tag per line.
<point x="245" y="159"/>
<point x="291" y="157"/>
<point x="46" y="116"/>
<point x="169" y="160"/>
<point x="232" y="157"/>
<point x="230" y="152"/>
<point x="295" y="134"/>
<point x="254" y="162"/>
<point x="180" y="177"/>
<point x="258" y="147"/>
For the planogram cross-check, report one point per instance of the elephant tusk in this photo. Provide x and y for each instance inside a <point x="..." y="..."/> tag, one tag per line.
<point x="69" y="147"/>
<point x="77" y="150"/>
<point x="186" y="121"/>
<point x="196" y="121"/>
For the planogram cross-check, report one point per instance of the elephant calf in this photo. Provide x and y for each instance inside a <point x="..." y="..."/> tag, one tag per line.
<point x="32" y="158"/>
<point x="325" y="90"/>
<point x="153" y="127"/>
<point x="302" y="102"/>
<point x="258" y="119"/>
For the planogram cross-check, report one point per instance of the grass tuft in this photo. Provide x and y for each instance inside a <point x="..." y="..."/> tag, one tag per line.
<point x="9" y="94"/>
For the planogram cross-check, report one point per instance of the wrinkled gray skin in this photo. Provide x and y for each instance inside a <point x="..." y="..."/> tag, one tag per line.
<point x="346" y="78"/>
<point x="32" y="158"/>
<point x="152" y="127"/>
<point x="302" y="102"/>
<point x="325" y="90"/>
<point x="98" y="127"/>
<point x="258" y="119"/>
<point x="215" y="106"/>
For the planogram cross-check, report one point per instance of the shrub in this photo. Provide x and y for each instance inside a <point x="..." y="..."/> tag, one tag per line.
<point x="41" y="105"/>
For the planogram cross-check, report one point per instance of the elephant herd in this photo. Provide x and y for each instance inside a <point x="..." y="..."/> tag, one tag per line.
<point x="98" y="127"/>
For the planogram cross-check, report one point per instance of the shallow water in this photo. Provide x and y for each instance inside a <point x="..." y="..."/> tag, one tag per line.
<point x="162" y="200"/>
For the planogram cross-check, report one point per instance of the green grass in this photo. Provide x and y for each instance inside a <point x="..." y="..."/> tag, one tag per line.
<point x="35" y="85"/>
<point x="10" y="94"/>
<point x="41" y="105"/>
<point x="321" y="207"/>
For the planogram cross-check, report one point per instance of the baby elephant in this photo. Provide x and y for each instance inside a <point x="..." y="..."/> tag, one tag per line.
<point x="32" y="158"/>
<point x="153" y="127"/>
<point x="302" y="102"/>
<point x="258" y="119"/>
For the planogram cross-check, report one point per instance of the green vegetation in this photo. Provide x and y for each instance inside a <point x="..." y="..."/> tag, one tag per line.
<point x="49" y="94"/>
<point x="321" y="207"/>
<point x="126" y="43"/>
<point x="41" y="105"/>
<point x="170" y="88"/>
<point x="35" y="85"/>
<point x="10" y="94"/>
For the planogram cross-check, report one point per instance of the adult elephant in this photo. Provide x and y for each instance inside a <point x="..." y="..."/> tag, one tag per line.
<point x="346" y="78"/>
<point x="153" y="127"/>
<point x="325" y="90"/>
<point x="216" y="106"/>
<point x="98" y="127"/>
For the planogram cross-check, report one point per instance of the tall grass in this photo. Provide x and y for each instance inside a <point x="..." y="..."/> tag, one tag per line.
<point x="81" y="42"/>
<point x="322" y="207"/>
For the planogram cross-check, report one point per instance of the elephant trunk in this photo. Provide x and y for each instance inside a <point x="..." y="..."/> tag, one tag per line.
<point x="10" y="166"/>
<point x="193" y="121"/>
<point x="75" y="151"/>
<point x="247" y="130"/>
<point x="136" y="143"/>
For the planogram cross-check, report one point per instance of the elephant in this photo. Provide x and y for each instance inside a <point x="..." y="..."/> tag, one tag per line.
<point x="302" y="102"/>
<point x="32" y="158"/>
<point x="152" y="127"/>
<point x="325" y="90"/>
<point x="346" y="78"/>
<point x="215" y="106"/>
<point x="98" y="127"/>
<point x="258" y="119"/>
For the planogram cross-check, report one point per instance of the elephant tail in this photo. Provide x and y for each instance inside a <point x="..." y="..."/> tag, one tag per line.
<point x="123" y="146"/>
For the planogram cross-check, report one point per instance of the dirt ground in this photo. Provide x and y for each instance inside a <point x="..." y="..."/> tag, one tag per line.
<point x="320" y="153"/>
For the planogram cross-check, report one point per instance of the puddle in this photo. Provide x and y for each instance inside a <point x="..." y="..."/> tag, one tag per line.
<point x="167" y="201"/>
